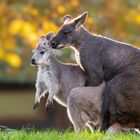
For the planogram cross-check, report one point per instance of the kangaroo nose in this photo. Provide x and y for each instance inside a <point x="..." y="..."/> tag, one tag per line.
<point x="54" y="44"/>
<point x="33" y="61"/>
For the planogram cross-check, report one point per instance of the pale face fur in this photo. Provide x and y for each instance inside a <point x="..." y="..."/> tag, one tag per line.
<point x="42" y="52"/>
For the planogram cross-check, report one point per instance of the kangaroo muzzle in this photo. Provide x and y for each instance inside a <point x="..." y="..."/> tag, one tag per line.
<point x="33" y="62"/>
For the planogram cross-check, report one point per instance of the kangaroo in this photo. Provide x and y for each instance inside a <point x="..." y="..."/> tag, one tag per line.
<point x="84" y="107"/>
<point x="105" y="59"/>
<point x="58" y="79"/>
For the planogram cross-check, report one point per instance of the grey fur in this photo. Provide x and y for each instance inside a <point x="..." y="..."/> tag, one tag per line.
<point x="105" y="59"/>
<point x="84" y="106"/>
<point x="58" y="79"/>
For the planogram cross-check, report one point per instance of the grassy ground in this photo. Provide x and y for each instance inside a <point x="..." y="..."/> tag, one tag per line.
<point x="55" y="135"/>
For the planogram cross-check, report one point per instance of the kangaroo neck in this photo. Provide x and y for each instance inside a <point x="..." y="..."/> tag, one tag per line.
<point x="54" y="66"/>
<point x="51" y="65"/>
<point x="83" y="38"/>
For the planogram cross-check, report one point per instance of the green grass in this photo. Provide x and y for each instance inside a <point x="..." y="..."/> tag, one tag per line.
<point x="55" y="135"/>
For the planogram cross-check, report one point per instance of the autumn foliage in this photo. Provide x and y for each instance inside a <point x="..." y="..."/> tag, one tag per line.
<point x="23" y="22"/>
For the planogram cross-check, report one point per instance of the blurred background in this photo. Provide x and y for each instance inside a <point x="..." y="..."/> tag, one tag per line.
<point x="23" y="22"/>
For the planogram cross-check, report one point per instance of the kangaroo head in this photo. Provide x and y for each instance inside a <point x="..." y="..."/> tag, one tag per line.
<point x="67" y="33"/>
<point x="42" y="52"/>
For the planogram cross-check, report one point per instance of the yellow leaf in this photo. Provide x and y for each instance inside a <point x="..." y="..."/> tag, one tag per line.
<point x="89" y="20"/>
<point x="34" y="11"/>
<point x="74" y="3"/>
<point x="32" y="38"/>
<point x="1" y="53"/>
<point x="27" y="28"/>
<point x="49" y="26"/>
<point x="137" y="19"/>
<point x="15" y="26"/>
<point x="61" y="9"/>
<point x="13" y="59"/>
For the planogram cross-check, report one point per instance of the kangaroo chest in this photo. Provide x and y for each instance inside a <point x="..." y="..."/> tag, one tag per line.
<point x="47" y="77"/>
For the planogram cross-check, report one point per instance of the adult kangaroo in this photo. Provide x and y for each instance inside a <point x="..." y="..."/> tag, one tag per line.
<point x="105" y="59"/>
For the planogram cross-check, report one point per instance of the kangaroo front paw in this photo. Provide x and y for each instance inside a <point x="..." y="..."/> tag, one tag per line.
<point x="49" y="105"/>
<point x="35" y="105"/>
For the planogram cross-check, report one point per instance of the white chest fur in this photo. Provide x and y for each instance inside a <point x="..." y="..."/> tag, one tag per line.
<point x="46" y="77"/>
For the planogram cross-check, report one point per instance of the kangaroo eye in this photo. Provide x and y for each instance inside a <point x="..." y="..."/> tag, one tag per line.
<point x="42" y="52"/>
<point x="65" y="32"/>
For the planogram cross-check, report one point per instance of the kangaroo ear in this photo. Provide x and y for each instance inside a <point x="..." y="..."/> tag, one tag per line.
<point x="80" y="20"/>
<point x="49" y="35"/>
<point x="66" y="18"/>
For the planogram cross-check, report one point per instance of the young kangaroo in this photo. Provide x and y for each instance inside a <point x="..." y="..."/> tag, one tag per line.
<point x="105" y="59"/>
<point x="58" y="79"/>
<point x="84" y="107"/>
